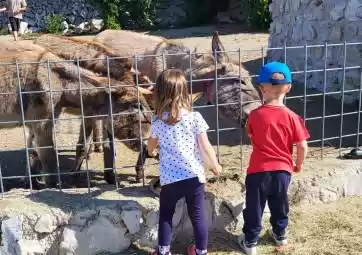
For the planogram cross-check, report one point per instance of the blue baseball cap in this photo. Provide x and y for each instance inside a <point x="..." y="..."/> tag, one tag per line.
<point x="267" y="71"/>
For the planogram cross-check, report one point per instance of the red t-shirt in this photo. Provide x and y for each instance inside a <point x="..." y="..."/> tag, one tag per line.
<point x="273" y="130"/>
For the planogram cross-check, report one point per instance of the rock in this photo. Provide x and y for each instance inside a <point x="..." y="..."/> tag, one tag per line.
<point x="11" y="234"/>
<point x="64" y="26"/>
<point x="110" y="223"/>
<point x="132" y="220"/>
<point x="34" y="29"/>
<point x="82" y="27"/>
<point x="45" y="224"/>
<point x="96" y="25"/>
<point x="152" y="219"/>
<point x="69" y="243"/>
<point x="100" y="233"/>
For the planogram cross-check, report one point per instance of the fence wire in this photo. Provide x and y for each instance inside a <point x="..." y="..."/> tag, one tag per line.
<point x="24" y="93"/>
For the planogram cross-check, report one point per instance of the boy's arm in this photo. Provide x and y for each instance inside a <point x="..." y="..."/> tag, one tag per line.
<point x="301" y="135"/>
<point x="2" y="9"/>
<point x="302" y="151"/>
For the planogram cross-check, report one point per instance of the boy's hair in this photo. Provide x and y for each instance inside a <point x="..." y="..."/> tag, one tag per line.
<point x="171" y="94"/>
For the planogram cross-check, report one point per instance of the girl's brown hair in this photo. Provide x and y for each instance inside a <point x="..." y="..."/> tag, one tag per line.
<point x="172" y="95"/>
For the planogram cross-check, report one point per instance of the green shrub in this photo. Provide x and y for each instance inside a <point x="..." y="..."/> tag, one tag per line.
<point x="127" y="13"/>
<point x="259" y="16"/>
<point x="54" y="23"/>
<point x="111" y="22"/>
<point x="198" y="12"/>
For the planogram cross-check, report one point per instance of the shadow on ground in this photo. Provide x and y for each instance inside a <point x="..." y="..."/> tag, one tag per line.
<point x="15" y="174"/>
<point x="203" y="31"/>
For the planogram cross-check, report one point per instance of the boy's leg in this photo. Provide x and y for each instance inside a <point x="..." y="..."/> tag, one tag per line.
<point x="168" y="199"/>
<point x="195" y="200"/>
<point x="257" y="188"/>
<point x="279" y="204"/>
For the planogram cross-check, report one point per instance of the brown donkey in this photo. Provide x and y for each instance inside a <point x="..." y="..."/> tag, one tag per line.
<point x="235" y="90"/>
<point x="30" y="85"/>
<point x="92" y="56"/>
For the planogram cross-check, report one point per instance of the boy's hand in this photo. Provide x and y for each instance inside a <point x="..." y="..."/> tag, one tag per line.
<point x="298" y="168"/>
<point x="217" y="170"/>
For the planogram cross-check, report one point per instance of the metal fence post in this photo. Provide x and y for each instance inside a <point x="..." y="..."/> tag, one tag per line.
<point x="83" y="123"/>
<point x="24" y="128"/>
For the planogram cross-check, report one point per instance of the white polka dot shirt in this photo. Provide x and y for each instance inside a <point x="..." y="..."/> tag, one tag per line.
<point x="179" y="150"/>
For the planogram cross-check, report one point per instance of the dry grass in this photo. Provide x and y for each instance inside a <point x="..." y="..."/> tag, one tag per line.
<point x="334" y="228"/>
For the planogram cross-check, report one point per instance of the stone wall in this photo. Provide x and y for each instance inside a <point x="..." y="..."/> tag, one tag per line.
<point x="297" y="22"/>
<point x="75" y="12"/>
<point x="108" y="222"/>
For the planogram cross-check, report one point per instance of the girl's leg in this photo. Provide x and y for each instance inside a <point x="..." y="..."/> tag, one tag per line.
<point x="195" y="200"/>
<point x="168" y="199"/>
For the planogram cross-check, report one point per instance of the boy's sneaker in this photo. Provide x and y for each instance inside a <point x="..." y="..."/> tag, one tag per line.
<point x="279" y="240"/>
<point x="246" y="247"/>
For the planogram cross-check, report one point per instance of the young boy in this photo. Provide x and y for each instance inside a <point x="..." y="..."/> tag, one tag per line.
<point x="15" y="10"/>
<point x="273" y="129"/>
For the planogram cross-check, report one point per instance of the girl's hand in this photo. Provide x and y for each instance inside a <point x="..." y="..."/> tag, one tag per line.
<point x="217" y="170"/>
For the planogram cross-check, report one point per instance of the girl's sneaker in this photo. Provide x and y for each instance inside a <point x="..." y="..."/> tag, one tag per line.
<point x="191" y="250"/>
<point x="155" y="252"/>
<point x="246" y="247"/>
<point x="279" y="240"/>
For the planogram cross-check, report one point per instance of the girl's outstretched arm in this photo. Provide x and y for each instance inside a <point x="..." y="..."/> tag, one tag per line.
<point x="205" y="145"/>
<point x="151" y="146"/>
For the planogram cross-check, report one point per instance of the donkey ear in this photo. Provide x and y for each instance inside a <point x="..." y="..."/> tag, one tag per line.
<point x="217" y="46"/>
<point x="197" y="55"/>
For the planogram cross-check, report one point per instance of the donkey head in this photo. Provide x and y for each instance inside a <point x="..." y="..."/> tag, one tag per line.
<point x="232" y="84"/>
<point x="130" y="118"/>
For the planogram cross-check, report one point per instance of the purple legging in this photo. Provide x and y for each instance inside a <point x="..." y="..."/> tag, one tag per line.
<point x="194" y="193"/>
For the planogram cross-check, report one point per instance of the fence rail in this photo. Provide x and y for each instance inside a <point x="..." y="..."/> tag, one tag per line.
<point x="318" y="136"/>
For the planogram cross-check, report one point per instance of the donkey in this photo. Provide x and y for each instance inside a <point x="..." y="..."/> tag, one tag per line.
<point x="29" y="84"/>
<point x="234" y="86"/>
<point x="92" y="56"/>
<point x="235" y="90"/>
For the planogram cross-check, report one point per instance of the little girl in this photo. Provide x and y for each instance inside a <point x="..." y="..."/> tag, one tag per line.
<point x="181" y="134"/>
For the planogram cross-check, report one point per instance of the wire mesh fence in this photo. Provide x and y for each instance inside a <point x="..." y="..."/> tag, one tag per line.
<point x="38" y="91"/>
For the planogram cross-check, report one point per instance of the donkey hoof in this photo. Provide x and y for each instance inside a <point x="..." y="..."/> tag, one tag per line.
<point x="109" y="177"/>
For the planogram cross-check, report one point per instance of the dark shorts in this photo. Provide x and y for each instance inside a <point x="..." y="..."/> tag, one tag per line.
<point x="14" y="23"/>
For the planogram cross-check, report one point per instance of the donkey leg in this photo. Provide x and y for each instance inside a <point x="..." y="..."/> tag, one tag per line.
<point x="140" y="163"/>
<point x="34" y="161"/>
<point x="142" y="156"/>
<point x="108" y="157"/>
<point x="43" y="136"/>
<point x="81" y="150"/>
<point x="97" y="135"/>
